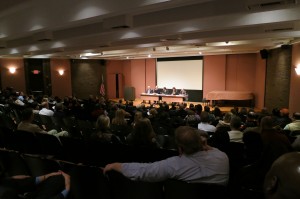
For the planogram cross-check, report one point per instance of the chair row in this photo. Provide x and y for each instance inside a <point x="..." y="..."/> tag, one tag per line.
<point x="89" y="182"/>
<point x="90" y="152"/>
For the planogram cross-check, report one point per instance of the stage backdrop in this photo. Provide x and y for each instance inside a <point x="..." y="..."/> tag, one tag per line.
<point x="181" y="72"/>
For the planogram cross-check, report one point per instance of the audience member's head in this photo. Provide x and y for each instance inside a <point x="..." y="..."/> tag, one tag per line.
<point x="143" y="134"/>
<point x="45" y="104"/>
<point x="266" y="122"/>
<point x="296" y="116"/>
<point x="102" y="123"/>
<point x="119" y="118"/>
<point x="137" y="116"/>
<point x="284" y="112"/>
<point x="276" y="112"/>
<point x="204" y="117"/>
<point x="235" y="123"/>
<point x="283" y="179"/>
<point x="217" y="112"/>
<point x="59" y="106"/>
<point x="27" y="115"/>
<point x="207" y="109"/>
<point x="227" y="117"/>
<point x="188" y="140"/>
<point x="220" y="139"/>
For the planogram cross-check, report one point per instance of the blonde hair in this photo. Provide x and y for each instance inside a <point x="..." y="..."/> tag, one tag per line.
<point x="119" y="118"/>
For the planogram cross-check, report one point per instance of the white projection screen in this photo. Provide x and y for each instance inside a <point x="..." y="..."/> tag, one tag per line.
<point x="178" y="73"/>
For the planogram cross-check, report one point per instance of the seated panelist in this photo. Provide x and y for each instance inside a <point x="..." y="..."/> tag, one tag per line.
<point x="156" y="90"/>
<point x="148" y="90"/>
<point x="182" y="92"/>
<point x="164" y="91"/>
<point x="174" y="92"/>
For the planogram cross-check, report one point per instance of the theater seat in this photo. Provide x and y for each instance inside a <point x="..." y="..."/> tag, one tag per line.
<point x="176" y="189"/>
<point x="123" y="188"/>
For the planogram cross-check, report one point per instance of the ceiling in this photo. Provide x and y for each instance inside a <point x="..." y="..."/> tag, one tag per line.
<point x="133" y="29"/>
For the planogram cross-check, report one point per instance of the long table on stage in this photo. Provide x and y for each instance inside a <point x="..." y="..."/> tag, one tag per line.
<point x="229" y="95"/>
<point x="165" y="98"/>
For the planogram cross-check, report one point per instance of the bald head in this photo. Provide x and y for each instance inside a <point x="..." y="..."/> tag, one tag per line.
<point x="188" y="140"/>
<point x="283" y="179"/>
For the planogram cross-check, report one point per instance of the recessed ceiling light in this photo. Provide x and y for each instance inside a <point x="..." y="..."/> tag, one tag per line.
<point x="200" y="53"/>
<point x="127" y="57"/>
<point x="149" y="55"/>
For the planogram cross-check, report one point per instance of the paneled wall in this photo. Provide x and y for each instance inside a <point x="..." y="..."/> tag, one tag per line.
<point x="137" y="73"/>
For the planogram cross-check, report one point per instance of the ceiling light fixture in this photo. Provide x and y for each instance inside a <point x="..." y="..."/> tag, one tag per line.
<point x="200" y="53"/>
<point x="149" y="55"/>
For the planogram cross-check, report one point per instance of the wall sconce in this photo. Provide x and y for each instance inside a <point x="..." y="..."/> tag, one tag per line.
<point x="61" y="72"/>
<point x="297" y="69"/>
<point x="12" y="70"/>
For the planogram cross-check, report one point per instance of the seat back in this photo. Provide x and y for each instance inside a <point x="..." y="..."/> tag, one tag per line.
<point x="123" y="188"/>
<point x="175" y="189"/>
<point x="47" y="122"/>
<point x="25" y="142"/>
<point x="74" y="149"/>
<point x="50" y="144"/>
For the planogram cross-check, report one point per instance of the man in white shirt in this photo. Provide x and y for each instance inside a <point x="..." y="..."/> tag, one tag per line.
<point x="204" y="125"/>
<point x="235" y="135"/>
<point x="295" y="125"/>
<point x="45" y="110"/>
<point x="196" y="163"/>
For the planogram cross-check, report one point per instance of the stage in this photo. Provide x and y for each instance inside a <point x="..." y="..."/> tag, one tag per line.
<point x="138" y="101"/>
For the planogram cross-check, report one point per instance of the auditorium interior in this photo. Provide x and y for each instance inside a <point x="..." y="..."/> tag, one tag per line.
<point x="234" y="55"/>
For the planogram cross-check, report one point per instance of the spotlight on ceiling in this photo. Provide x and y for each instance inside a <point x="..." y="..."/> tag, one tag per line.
<point x="149" y="55"/>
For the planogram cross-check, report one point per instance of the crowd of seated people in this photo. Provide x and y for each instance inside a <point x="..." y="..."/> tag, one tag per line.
<point x="258" y="137"/>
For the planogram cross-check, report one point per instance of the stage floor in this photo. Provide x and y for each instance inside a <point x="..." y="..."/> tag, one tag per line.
<point x="223" y="108"/>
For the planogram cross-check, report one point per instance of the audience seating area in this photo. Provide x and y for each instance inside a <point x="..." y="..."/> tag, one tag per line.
<point x="34" y="154"/>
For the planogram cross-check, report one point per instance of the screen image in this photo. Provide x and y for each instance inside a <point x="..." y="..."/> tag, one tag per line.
<point x="178" y="73"/>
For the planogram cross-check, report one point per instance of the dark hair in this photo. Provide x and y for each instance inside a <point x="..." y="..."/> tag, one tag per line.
<point x="235" y="122"/>
<point x="143" y="133"/>
<point x="188" y="139"/>
<point x="27" y="113"/>
<point x="204" y="117"/>
<point x="296" y="116"/>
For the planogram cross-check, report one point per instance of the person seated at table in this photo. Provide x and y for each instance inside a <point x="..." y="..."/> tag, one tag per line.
<point x="148" y="90"/>
<point x="156" y="90"/>
<point x="182" y="92"/>
<point x="174" y="91"/>
<point x="164" y="91"/>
